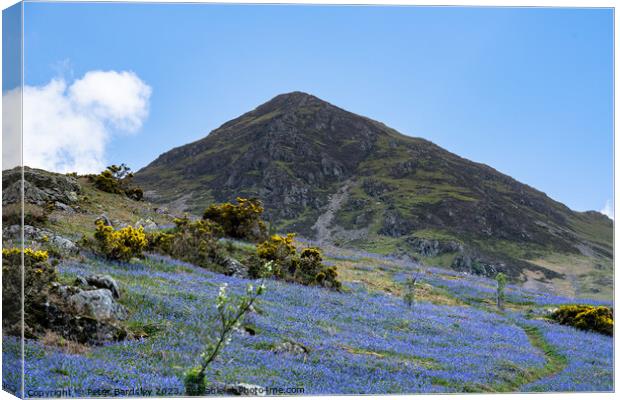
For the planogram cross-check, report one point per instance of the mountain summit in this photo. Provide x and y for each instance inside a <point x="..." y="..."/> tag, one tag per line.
<point x="339" y="177"/>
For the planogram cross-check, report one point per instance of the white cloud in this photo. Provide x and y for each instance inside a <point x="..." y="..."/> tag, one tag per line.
<point x="120" y="97"/>
<point x="67" y="127"/>
<point x="608" y="209"/>
<point x="11" y="129"/>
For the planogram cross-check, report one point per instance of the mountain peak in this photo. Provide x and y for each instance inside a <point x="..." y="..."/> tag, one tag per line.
<point x="293" y="101"/>
<point x="310" y="161"/>
<point x="296" y="96"/>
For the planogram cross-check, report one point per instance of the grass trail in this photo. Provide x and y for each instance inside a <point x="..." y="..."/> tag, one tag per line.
<point x="554" y="363"/>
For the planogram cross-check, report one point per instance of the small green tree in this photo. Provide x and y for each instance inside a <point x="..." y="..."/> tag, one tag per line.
<point x="120" y="172"/>
<point x="230" y="310"/>
<point x="501" y="285"/>
<point x="410" y="286"/>
<point x="118" y="179"/>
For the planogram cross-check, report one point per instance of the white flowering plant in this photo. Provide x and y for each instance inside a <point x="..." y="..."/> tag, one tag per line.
<point x="230" y="312"/>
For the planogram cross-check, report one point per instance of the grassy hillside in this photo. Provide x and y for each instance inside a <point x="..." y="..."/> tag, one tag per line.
<point x="94" y="203"/>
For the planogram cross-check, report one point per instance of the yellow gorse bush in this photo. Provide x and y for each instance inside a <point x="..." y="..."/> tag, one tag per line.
<point x="122" y="244"/>
<point x="241" y="220"/>
<point x="31" y="256"/>
<point x="160" y="242"/>
<point x="587" y="318"/>
<point x="199" y="228"/>
<point x="30" y="283"/>
<point x="312" y="252"/>
<point x="305" y="268"/>
<point x="277" y="247"/>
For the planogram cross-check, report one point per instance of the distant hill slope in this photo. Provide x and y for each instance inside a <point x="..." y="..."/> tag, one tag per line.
<point x="321" y="170"/>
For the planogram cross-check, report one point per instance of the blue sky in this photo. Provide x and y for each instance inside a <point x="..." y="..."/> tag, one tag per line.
<point x="528" y="91"/>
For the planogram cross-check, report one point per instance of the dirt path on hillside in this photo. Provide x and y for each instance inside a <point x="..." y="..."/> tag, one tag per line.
<point x="323" y="223"/>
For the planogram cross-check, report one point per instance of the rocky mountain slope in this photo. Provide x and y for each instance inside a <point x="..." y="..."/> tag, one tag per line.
<point x="338" y="177"/>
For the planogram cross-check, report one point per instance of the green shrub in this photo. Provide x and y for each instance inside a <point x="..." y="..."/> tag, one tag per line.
<point x="309" y="265"/>
<point x="328" y="277"/>
<point x="122" y="245"/>
<point x="106" y="182"/>
<point x="194" y="382"/>
<point x="117" y="179"/>
<point x="159" y="242"/>
<point x="256" y="267"/>
<point x="134" y="193"/>
<point x="589" y="318"/>
<point x="192" y="241"/>
<point x="38" y="276"/>
<point x="241" y="220"/>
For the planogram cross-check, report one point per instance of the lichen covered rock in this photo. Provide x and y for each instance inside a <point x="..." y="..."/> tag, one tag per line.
<point x="40" y="187"/>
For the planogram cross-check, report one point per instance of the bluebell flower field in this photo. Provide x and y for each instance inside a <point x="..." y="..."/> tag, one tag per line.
<point x="363" y="339"/>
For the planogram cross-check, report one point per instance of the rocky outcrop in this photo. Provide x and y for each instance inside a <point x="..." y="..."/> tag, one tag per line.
<point x="40" y="187"/>
<point x="84" y="316"/>
<point x="433" y="247"/>
<point x="375" y="188"/>
<point x="476" y="266"/>
<point x="402" y="169"/>
<point x="40" y="235"/>
<point x="101" y="282"/>
<point x="394" y="224"/>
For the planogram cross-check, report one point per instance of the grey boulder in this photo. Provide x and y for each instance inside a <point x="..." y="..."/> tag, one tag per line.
<point x="104" y="218"/>
<point x="98" y="304"/>
<point x="235" y="268"/>
<point x="147" y="224"/>
<point x="104" y="282"/>
<point x="290" y="347"/>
